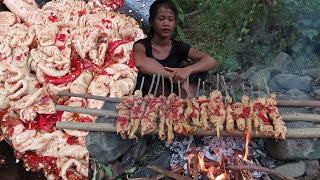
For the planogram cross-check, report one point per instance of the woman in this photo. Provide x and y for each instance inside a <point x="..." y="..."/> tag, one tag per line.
<point x="160" y="53"/>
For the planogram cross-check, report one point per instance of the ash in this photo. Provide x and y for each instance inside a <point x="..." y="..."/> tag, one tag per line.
<point x="217" y="150"/>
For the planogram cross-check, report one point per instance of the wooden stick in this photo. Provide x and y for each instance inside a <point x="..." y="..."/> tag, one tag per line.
<point x="152" y="82"/>
<point x="171" y="83"/>
<point x="259" y="168"/>
<point x="157" y="85"/>
<point x="162" y="79"/>
<point x="112" y="114"/>
<point x="225" y="85"/>
<point x="267" y="88"/>
<point x="88" y="96"/>
<point x="295" y="133"/>
<point x="259" y="87"/>
<point x="188" y="88"/>
<point x="233" y="95"/>
<point x="179" y="89"/>
<point x="198" y="87"/>
<point x="169" y="173"/>
<point x="298" y="103"/>
<point x="99" y="112"/>
<point x="251" y="90"/>
<point x="218" y="78"/>
<point x="141" y="85"/>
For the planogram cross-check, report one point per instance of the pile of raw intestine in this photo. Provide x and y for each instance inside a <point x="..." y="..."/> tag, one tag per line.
<point x="66" y="46"/>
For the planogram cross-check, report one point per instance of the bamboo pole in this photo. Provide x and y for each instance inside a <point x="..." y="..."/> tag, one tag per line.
<point x="99" y="112"/>
<point x="88" y="96"/>
<point x="113" y="114"/>
<point x="280" y="103"/>
<point x="109" y="127"/>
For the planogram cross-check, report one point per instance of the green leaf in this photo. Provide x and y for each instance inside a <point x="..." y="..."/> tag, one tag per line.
<point x="181" y="33"/>
<point x="131" y="170"/>
<point x="307" y="22"/>
<point x="297" y="47"/>
<point x="107" y="170"/>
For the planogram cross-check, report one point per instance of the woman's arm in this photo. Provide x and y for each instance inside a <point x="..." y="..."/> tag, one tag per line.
<point x="146" y="64"/>
<point x="205" y="63"/>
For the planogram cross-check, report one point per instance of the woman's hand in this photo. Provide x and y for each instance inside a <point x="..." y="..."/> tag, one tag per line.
<point x="179" y="74"/>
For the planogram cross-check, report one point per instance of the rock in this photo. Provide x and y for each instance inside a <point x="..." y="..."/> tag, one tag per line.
<point x="259" y="75"/>
<point x="106" y="147"/>
<point x="284" y="62"/>
<point x="246" y="75"/>
<point x="231" y="76"/>
<point x="158" y="155"/>
<point x="134" y="153"/>
<point x="296" y="94"/>
<point x="290" y="81"/>
<point x="312" y="169"/>
<point x="294" y="169"/>
<point x="313" y="72"/>
<point x="316" y="94"/>
<point x="294" y="149"/>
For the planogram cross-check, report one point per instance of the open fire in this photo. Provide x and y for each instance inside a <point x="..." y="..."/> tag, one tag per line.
<point x="212" y="158"/>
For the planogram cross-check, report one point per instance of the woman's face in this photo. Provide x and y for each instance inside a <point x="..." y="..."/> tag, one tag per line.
<point x="164" y="23"/>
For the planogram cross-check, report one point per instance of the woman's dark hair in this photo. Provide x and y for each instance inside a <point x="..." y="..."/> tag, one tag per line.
<point x="154" y="9"/>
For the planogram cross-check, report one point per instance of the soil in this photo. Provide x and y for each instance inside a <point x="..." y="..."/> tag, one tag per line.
<point x="10" y="170"/>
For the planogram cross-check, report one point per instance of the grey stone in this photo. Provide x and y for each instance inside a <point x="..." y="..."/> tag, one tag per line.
<point x="163" y="161"/>
<point x="259" y="75"/>
<point x="294" y="169"/>
<point x="246" y="75"/>
<point x="312" y="169"/>
<point x="284" y="62"/>
<point x="290" y="81"/>
<point x="294" y="149"/>
<point x="134" y="153"/>
<point x="297" y="94"/>
<point x="232" y="76"/>
<point x="316" y="94"/>
<point x="313" y="72"/>
<point x="106" y="147"/>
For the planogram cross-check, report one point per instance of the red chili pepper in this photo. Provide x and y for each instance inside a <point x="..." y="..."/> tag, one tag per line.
<point x="76" y="63"/>
<point x="131" y="60"/>
<point x="123" y="121"/>
<point x="104" y="72"/>
<point x="84" y="119"/>
<point x="61" y="37"/>
<point x="87" y="63"/>
<point x="19" y="57"/>
<point x="246" y="111"/>
<point x="202" y="101"/>
<point x="37" y="86"/>
<point x="44" y="124"/>
<point x="82" y="12"/>
<point x="264" y="118"/>
<point x="72" y="140"/>
<point x="57" y="117"/>
<point x="119" y="3"/>
<point x="62" y="80"/>
<point x="113" y="45"/>
<point x="53" y="18"/>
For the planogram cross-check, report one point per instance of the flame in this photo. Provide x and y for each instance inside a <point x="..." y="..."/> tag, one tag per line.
<point x="210" y="173"/>
<point x="247" y="146"/>
<point x="190" y="156"/>
<point x="221" y="176"/>
<point x="201" y="162"/>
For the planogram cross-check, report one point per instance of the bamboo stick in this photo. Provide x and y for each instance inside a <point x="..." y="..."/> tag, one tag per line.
<point x="88" y="96"/>
<point x="280" y="103"/>
<point x="109" y="127"/>
<point x="99" y="112"/>
<point x="113" y="114"/>
<point x="298" y="103"/>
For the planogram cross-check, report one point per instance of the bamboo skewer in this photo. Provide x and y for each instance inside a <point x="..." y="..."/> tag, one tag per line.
<point x="109" y="127"/>
<point x="113" y="114"/>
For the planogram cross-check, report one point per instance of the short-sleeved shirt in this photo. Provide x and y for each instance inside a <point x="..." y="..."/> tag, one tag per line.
<point x="179" y="52"/>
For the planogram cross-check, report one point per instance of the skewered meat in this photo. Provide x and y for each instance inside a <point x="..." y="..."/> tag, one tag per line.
<point x="264" y="125"/>
<point x="169" y="118"/>
<point x="149" y="119"/>
<point x="163" y="113"/>
<point x="280" y="130"/>
<point x="217" y="113"/>
<point x="203" y="101"/>
<point x="247" y="112"/>
<point x="123" y="120"/>
<point x="180" y="119"/>
<point x="238" y="115"/>
<point x="136" y="113"/>
<point x="229" y="117"/>
<point x="192" y="112"/>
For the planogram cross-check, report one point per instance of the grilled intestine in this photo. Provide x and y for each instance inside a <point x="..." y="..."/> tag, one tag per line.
<point x="65" y="46"/>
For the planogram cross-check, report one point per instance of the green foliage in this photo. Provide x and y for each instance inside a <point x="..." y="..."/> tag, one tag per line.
<point x="180" y="20"/>
<point x="246" y="32"/>
<point x="98" y="166"/>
